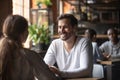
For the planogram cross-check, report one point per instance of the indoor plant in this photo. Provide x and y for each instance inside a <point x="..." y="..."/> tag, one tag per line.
<point x="45" y="2"/>
<point x="40" y="36"/>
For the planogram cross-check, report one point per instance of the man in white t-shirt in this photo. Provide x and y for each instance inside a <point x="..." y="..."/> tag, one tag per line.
<point x="72" y="54"/>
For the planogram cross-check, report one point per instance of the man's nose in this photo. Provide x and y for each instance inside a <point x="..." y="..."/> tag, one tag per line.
<point x="62" y="30"/>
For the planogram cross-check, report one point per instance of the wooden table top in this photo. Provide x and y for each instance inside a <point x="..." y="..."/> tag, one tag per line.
<point x="84" y="79"/>
<point x="106" y="62"/>
<point x="109" y="62"/>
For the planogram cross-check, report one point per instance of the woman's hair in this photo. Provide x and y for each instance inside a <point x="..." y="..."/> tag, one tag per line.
<point x="73" y="20"/>
<point x="13" y="27"/>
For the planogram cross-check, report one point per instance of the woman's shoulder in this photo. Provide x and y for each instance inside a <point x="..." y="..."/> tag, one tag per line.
<point x="41" y="70"/>
<point x="31" y="54"/>
<point x="29" y="51"/>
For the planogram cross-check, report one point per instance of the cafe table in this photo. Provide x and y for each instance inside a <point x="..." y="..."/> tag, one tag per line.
<point x="109" y="64"/>
<point x="84" y="79"/>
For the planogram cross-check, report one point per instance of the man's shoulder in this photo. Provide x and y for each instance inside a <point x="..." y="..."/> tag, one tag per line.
<point x="106" y="43"/>
<point x="57" y="40"/>
<point x="82" y="39"/>
<point x="30" y="54"/>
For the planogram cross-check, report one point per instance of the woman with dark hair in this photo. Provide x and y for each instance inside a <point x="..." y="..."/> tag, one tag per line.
<point x="15" y="61"/>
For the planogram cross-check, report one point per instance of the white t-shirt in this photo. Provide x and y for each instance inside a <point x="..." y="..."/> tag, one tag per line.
<point x="77" y="63"/>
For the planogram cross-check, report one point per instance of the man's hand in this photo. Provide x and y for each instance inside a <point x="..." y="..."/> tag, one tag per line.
<point x="107" y="56"/>
<point x="55" y="70"/>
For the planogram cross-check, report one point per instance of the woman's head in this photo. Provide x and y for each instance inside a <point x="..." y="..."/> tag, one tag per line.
<point x="15" y="31"/>
<point x="14" y="27"/>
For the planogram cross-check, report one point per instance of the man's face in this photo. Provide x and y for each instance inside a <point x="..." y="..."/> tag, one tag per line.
<point x="65" y="29"/>
<point x="87" y="34"/>
<point x="111" y="35"/>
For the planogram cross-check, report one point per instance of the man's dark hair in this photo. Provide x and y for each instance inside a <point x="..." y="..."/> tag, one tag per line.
<point x="73" y="20"/>
<point x="92" y="32"/>
<point x="114" y="30"/>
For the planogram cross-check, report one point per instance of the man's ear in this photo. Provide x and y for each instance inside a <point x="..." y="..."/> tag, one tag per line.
<point x="94" y="36"/>
<point x="75" y="29"/>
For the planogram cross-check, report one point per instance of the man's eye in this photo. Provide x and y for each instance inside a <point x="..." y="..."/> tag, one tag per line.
<point x="65" y="26"/>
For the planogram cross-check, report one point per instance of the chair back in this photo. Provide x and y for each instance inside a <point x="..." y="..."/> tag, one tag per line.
<point x="98" y="71"/>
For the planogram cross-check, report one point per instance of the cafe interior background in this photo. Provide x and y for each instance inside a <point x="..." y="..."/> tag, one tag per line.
<point x="96" y="14"/>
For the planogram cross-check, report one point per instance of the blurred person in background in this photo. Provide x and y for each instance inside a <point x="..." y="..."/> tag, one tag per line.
<point x="91" y="34"/>
<point x="111" y="49"/>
